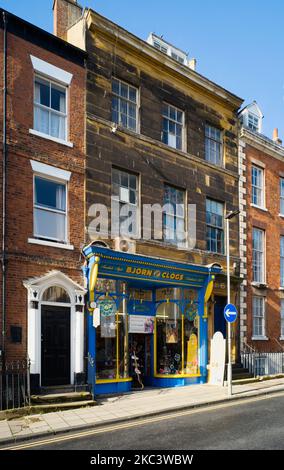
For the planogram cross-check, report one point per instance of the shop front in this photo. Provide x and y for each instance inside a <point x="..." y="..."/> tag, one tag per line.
<point x="147" y="321"/>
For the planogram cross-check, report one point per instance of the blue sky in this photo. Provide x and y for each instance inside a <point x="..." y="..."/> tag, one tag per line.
<point x="239" y="45"/>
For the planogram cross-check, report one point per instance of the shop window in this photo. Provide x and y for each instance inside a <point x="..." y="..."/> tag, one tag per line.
<point x="111" y="340"/>
<point x="169" y="339"/>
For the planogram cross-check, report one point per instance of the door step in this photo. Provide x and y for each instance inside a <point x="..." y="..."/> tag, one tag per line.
<point x="63" y="389"/>
<point x="68" y="397"/>
<point x="59" y="406"/>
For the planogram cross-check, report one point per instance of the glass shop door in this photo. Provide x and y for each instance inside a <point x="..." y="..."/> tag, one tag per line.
<point x="140" y="359"/>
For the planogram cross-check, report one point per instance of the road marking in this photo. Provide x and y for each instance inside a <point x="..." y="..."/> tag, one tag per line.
<point x="139" y="422"/>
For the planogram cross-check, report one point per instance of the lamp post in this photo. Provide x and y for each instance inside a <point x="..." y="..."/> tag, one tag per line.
<point x="228" y="217"/>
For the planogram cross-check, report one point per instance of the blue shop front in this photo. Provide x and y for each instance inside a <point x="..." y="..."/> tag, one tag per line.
<point x="147" y="321"/>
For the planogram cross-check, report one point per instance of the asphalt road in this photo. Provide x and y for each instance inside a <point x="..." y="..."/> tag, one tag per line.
<point x="247" y="424"/>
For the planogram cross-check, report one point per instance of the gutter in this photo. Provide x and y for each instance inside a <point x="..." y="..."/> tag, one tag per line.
<point x="4" y="182"/>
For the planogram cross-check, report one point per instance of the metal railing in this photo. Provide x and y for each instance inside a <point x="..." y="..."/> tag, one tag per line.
<point x="262" y="363"/>
<point x="15" y="391"/>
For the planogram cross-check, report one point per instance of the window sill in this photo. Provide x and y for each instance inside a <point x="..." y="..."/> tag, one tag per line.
<point x="50" y="137"/>
<point x="281" y="338"/>
<point x="259" y="207"/>
<point x="259" y="338"/>
<point x="37" y="241"/>
<point x="281" y="215"/>
<point x="259" y="285"/>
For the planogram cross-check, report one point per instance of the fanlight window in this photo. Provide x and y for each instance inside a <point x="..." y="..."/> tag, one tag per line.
<point x="56" y="294"/>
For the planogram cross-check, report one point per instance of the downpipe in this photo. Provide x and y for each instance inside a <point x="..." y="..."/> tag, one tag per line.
<point x="4" y="184"/>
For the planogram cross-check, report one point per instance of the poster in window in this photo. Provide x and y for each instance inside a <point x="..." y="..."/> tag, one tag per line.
<point x="107" y="312"/>
<point x="171" y="332"/>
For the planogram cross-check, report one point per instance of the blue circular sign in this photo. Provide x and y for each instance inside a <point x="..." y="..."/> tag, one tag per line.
<point x="230" y="313"/>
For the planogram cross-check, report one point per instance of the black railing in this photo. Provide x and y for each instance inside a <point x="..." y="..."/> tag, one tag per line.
<point x="15" y="384"/>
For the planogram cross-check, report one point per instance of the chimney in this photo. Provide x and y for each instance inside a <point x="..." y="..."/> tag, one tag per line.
<point x="275" y="137"/>
<point x="65" y="14"/>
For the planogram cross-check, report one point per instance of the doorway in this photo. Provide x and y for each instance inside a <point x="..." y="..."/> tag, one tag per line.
<point x="219" y="319"/>
<point x="140" y="358"/>
<point x="55" y="345"/>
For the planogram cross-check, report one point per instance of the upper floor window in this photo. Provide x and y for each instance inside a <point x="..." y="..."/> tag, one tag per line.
<point x="258" y="255"/>
<point x="257" y="185"/>
<point x="50" y="209"/>
<point x="215" y="226"/>
<point x="282" y="261"/>
<point x="282" y="196"/>
<point x="173" y="125"/>
<point x="258" y="314"/>
<point x="160" y="46"/>
<point x="174" y="215"/>
<point x="253" y="122"/>
<point x="213" y="145"/>
<point x="50" y="110"/>
<point x="282" y="319"/>
<point x="124" y="105"/>
<point x="125" y="192"/>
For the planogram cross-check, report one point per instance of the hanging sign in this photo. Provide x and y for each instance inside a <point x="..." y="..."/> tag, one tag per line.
<point x="96" y="317"/>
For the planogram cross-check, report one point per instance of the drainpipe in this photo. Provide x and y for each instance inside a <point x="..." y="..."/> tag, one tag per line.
<point x="4" y="182"/>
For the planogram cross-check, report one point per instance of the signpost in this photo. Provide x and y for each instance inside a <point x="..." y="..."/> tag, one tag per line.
<point x="230" y="314"/>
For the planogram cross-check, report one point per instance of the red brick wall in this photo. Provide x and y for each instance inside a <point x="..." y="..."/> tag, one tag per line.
<point x="27" y="260"/>
<point x="273" y="224"/>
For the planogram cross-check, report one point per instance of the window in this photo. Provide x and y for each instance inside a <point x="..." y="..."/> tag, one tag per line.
<point x="124" y="105"/>
<point x="125" y="192"/>
<point x="50" y="110"/>
<point x="257" y="195"/>
<point x="160" y="46"/>
<point x="174" y="215"/>
<point x="50" y="209"/>
<point x="282" y="261"/>
<point x="258" y="312"/>
<point x="56" y="294"/>
<point x="177" y="57"/>
<point x="173" y="124"/>
<point x="282" y="319"/>
<point x="215" y="226"/>
<point x="282" y="196"/>
<point x="258" y="255"/>
<point x="253" y="122"/>
<point x="213" y="145"/>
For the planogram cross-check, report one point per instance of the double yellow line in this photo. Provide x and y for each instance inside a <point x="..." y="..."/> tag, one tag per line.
<point x="138" y="422"/>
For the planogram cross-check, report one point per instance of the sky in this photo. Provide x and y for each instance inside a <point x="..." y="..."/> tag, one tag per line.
<point x="238" y="44"/>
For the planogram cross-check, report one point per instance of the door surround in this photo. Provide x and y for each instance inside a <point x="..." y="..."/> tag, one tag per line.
<point x="36" y="288"/>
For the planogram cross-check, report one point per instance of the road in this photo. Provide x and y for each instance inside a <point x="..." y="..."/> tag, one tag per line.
<point x="246" y="424"/>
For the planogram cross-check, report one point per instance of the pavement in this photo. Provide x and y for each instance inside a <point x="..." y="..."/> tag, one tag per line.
<point x="134" y="405"/>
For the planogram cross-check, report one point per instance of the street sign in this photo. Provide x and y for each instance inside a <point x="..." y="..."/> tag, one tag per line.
<point x="230" y="313"/>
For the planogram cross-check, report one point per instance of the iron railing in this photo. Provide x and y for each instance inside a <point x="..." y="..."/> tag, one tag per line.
<point x="263" y="363"/>
<point x="15" y="390"/>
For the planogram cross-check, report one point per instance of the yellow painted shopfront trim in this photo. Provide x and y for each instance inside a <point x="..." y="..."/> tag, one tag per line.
<point x="176" y="376"/>
<point x="108" y="381"/>
<point x="176" y="283"/>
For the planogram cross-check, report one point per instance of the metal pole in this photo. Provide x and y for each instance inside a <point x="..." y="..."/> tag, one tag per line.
<point x="229" y="370"/>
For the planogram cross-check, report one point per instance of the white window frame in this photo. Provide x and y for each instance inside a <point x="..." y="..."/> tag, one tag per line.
<point x="260" y="188"/>
<point x="176" y="216"/>
<point x="216" y="227"/>
<point x="218" y="142"/>
<point x="253" y="122"/>
<point x="281" y="261"/>
<point x="260" y="334"/>
<point x="56" y="175"/>
<point x="281" y="319"/>
<point x="281" y="196"/>
<point x="119" y="97"/>
<point x="120" y="201"/>
<point x="262" y="277"/>
<point x="60" y="77"/>
<point x="182" y="124"/>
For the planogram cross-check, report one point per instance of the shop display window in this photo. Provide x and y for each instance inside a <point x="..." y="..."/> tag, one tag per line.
<point x="169" y="339"/>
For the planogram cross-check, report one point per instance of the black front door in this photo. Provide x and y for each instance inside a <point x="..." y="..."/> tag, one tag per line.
<point x="55" y="345"/>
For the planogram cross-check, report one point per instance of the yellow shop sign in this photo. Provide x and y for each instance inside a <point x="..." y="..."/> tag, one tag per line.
<point x="154" y="273"/>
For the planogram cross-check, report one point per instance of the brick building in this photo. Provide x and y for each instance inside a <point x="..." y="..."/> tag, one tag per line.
<point x="261" y="237"/>
<point x="42" y="86"/>
<point x="156" y="132"/>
